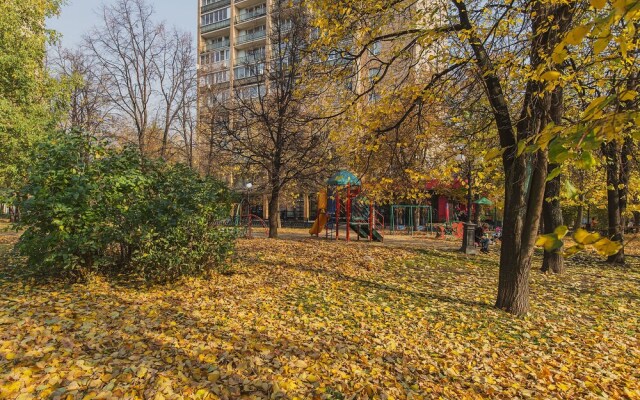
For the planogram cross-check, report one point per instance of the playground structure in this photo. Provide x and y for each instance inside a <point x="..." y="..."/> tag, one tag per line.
<point x="241" y="219"/>
<point x="343" y="206"/>
<point x="411" y="218"/>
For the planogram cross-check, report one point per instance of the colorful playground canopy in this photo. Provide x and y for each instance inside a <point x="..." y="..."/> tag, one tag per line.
<point x="343" y="178"/>
<point x="484" y="201"/>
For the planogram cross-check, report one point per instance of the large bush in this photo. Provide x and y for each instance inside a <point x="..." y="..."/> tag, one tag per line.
<point x="92" y="208"/>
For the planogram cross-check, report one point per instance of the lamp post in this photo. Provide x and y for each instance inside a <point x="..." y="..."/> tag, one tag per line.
<point x="248" y="186"/>
<point x="468" y="238"/>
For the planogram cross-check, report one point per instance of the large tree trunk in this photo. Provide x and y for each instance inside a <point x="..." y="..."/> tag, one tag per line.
<point x="274" y="212"/>
<point x="524" y="197"/>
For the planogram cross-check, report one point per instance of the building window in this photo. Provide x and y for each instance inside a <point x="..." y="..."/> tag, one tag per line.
<point x="375" y="48"/>
<point x="215" y="16"/>
<point x="216" y="77"/>
<point x="257" y="30"/>
<point x="220" y="55"/>
<point x="251" y="92"/>
<point x="218" y="98"/>
<point x="374" y="74"/>
<point x="221" y="76"/>
<point x="248" y="71"/>
<point x="216" y="56"/>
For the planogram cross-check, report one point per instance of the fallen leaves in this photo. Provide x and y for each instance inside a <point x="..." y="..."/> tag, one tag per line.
<point x="324" y="320"/>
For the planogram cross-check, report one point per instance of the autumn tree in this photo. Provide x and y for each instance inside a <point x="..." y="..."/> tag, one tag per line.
<point x="516" y="48"/>
<point x="606" y="89"/>
<point x="147" y="71"/>
<point x="176" y="75"/>
<point x="270" y="122"/>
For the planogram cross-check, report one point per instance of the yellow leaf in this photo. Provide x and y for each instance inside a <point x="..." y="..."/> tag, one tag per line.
<point x="551" y="76"/>
<point x="550" y="242"/>
<point x="607" y="247"/>
<point x="561" y="231"/>
<point x="628" y="95"/>
<point x="573" y="250"/>
<point x="577" y="34"/>
<point x="600" y="45"/>
<point x="493" y="153"/>
<point x="213" y="376"/>
<point x="559" y="54"/>
<point x="142" y="371"/>
<point x="585" y="238"/>
<point x="598" y="4"/>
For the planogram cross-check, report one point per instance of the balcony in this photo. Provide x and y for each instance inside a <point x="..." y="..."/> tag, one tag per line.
<point x="250" y="16"/>
<point x="250" y="37"/>
<point x="218" y="45"/>
<point x="255" y="71"/>
<point x="215" y="26"/>
<point x="247" y="3"/>
<point x="213" y="6"/>
<point x="249" y="59"/>
<point x="215" y="66"/>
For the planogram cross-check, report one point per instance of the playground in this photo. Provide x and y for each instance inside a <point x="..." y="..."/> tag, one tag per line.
<point x="345" y="211"/>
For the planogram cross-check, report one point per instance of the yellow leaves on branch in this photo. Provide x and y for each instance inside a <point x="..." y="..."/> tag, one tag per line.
<point x="553" y="241"/>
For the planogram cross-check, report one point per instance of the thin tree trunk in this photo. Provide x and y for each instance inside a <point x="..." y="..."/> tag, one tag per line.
<point x="580" y="215"/>
<point x="612" y="151"/>
<point x="551" y="209"/>
<point x="552" y="217"/>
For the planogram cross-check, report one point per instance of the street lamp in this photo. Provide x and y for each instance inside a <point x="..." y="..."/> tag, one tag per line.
<point x="248" y="186"/>
<point x="468" y="238"/>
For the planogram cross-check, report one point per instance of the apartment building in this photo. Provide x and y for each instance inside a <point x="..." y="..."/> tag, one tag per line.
<point x="236" y="41"/>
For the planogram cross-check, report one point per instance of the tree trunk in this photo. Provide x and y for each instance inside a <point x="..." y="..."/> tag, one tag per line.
<point x="274" y="212"/>
<point x="612" y="152"/>
<point x="580" y="215"/>
<point x="552" y="217"/>
<point x="551" y="208"/>
<point x="526" y="173"/>
<point x="523" y="206"/>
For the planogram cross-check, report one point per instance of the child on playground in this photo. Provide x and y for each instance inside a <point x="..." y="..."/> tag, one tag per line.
<point x="482" y="237"/>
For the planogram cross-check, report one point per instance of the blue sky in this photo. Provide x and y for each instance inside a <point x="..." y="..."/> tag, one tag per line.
<point x="79" y="16"/>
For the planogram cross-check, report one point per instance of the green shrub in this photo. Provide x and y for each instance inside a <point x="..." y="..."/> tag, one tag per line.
<point x="89" y="208"/>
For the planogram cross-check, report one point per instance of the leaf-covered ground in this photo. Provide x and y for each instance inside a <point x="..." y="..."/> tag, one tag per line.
<point x="323" y="320"/>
